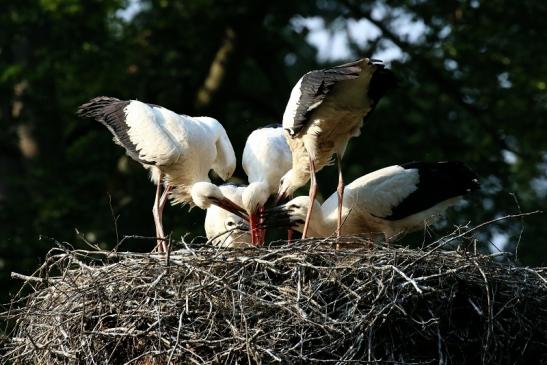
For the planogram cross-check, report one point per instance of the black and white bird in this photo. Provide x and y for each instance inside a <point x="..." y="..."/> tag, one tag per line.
<point x="225" y="229"/>
<point x="179" y="151"/>
<point x="394" y="200"/>
<point x="266" y="158"/>
<point x="326" y="108"/>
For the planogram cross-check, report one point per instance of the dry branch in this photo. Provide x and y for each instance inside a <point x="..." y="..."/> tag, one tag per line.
<point x="303" y="302"/>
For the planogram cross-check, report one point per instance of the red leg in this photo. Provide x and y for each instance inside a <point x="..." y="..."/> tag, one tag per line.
<point x="164" y="197"/>
<point x="162" y="202"/>
<point x="157" y="213"/>
<point x="340" y="191"/>
<point x="313" y="193"/>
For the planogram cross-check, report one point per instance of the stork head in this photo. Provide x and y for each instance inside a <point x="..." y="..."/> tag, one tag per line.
<point x="205" y="194"/>
<point x="225" y="229"/>
<point x="293" y="215"/>
<point x="297" y="209"/>
<point x="288" y="184"/>
<point x="225" y="170"/>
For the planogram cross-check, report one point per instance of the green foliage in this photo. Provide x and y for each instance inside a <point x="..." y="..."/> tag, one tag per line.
<point x="472" y="88"/>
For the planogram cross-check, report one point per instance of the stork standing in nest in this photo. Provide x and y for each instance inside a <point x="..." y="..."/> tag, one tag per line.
<point x="393" y="201"/>
<point x="326" y="108"/>
<point x="266" y="158"/>
<point x="179" y="151"/>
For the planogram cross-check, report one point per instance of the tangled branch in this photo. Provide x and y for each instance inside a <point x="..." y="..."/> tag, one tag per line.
<point x="289" y="303"/>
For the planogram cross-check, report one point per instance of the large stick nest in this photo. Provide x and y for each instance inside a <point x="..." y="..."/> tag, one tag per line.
<point x="301" y="302"/>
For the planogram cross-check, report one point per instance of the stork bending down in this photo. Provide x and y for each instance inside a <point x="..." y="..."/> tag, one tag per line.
<point x="393" y="201"/>
<point x="326" y="108"/>
<point x="179" y="150"/>
<point x="266" y="158"/>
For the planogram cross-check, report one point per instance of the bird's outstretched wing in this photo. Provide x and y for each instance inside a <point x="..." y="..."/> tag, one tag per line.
<point x="142" y="129"/>
<point x="110" y="112"/>
<point x="311" y="90"/>
<point x="314" y="87"/>
<point x="380" y="192"/>
<point x="399" y="191"/>
<point x="438" y="181"/>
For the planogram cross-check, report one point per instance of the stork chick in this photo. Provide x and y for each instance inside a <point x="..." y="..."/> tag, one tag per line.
<point x="225" y="229"/>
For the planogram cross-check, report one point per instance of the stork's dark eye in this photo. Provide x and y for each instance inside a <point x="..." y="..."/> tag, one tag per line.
<point x="230" y="224"/>
<point x="293" y="206"/>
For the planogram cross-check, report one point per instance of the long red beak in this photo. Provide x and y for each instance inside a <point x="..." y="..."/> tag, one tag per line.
<point x="289" y="235"/>
<point x="254" y="230"/>
<point x="279" y="198"/>
<point x="232" y="207"/>
<point x="262" y="231"/>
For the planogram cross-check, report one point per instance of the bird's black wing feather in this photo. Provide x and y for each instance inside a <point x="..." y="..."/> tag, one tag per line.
<point x="315" y="86"/>
<point x="439" y="181"/>
<point x="381" y="81"/>
<point x="110" y="112"/>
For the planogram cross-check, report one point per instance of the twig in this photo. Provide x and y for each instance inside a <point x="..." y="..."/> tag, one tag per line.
<point x="289" y="304"/>
<point x="114" y="217"/>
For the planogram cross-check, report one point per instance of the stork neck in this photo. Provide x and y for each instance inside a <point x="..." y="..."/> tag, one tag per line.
<point x="255" y="195"/>
<point x="318" y="226"/>
<point x="182" y="185"/>
<point x="298" y="178"/>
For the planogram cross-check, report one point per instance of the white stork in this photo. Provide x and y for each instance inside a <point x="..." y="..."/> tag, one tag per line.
<point x="225" y="229"/>
<point x="326" y="108"/>
<point x="179" y="151"/>
<point x="266" y="158"/>
<point x="393" y="201"/>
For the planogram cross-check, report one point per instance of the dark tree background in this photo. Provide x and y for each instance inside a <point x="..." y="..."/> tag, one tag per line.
<point x="473" y="87"/>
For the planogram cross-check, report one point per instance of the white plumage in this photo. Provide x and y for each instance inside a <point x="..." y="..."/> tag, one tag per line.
<point x="326" y="108"/>
<point x="178" y="149"/>
<point x="156" y="132"/>
<point x="266" y="158"/>
<point x="225" y="229"/>
<point x="393" y="200"/>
